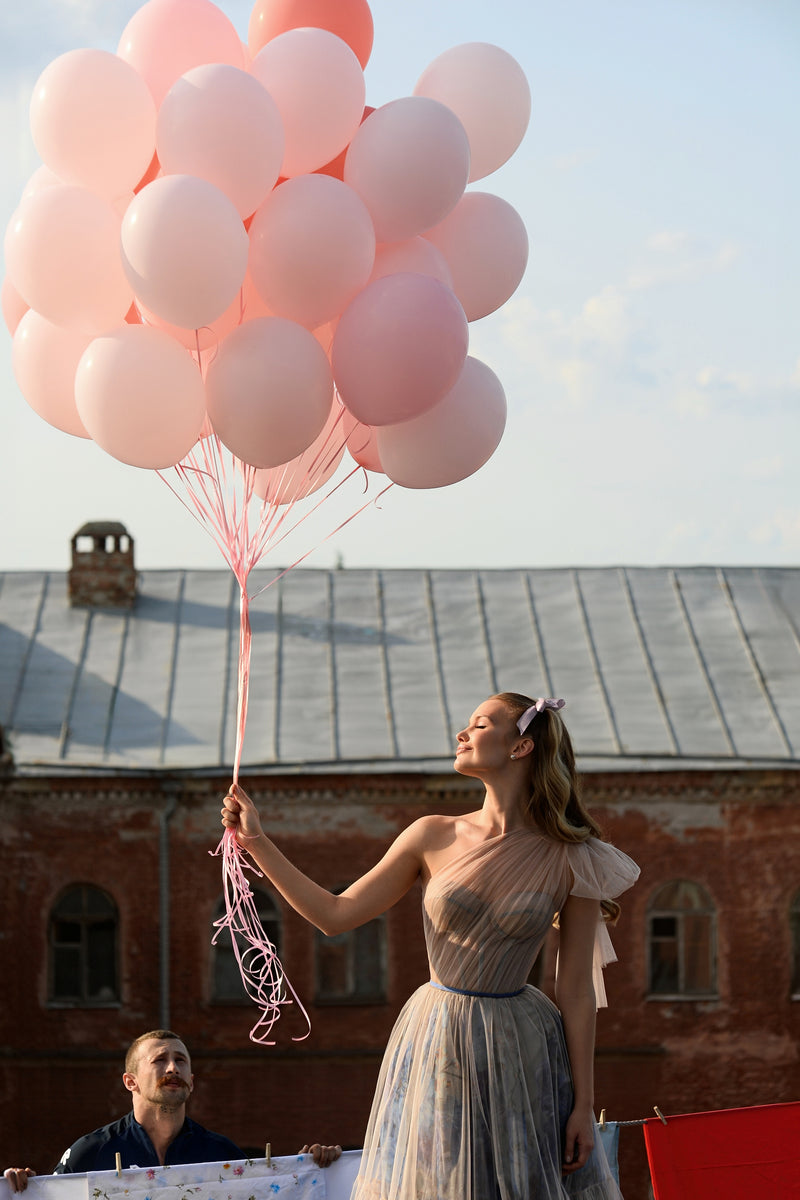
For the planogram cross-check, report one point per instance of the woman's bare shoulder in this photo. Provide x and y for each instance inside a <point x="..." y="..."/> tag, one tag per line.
<point x="435" y="833"/>
<point x="433" y="828"/>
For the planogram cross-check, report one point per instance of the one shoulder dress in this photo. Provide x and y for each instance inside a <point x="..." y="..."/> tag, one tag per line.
<point x="475" y="1089"/>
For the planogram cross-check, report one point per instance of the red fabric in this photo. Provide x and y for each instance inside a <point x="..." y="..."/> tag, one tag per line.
<point x="734" y="1154"/>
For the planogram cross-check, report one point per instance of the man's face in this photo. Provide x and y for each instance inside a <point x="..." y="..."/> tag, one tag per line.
<point x="163" y="1074"/>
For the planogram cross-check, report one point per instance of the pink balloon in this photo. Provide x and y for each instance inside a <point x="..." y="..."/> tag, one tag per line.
<point x="219" y="123"/>
<point x="140" y="396"/>
<point x="324" y="335"/>
<point x="166" y="38"/>
<point x="62" y="254"/>
<point x="312" y="247"/>
<point x="318" y="85"/>
<point x="415" y="254"/>
<point x="14" y="307"/>
<point x="153" y="171"/>
<point x="453" y="439"/>
<point x="41" y="178"/>
<point x="350" y="20"/>
<point x="208" y="337"/>
<point x="310" y="470"/>
<point x="184" y="250"/>
<point x="409" y="163"/>
<point x="246" y="304"/>
<point x="336" y="166"/>
<point x="362" y="443"/>
<point x="45" y="358"/>
<point x="485" y="244"/>
<point x="487" y="90"/>
<point x="269" y="391"/>
<point x="93" y="121"/>
<point x="398" y="347"/>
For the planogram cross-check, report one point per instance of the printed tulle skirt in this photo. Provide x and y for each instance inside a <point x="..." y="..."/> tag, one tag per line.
<point x="471" y="1104"/>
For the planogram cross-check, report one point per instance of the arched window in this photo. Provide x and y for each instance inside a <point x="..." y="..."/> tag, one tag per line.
<point x="682" y="941"/>
<point x="794" y="923"/>
<point x="350" y="968"/>
<point x="82" y="937"/>
<point x="226" y="979"/>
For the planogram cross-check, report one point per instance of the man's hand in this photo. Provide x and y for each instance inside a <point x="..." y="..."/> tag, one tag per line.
<point x="17" y="1177"/>
<point x="323" y="1155"/>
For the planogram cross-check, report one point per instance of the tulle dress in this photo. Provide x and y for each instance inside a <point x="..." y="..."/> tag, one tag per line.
<point x="475" y="1089"/>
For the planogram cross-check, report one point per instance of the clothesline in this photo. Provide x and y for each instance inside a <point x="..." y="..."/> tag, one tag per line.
<point x="267" y="1160"/>
<point x="640" y="1121"/>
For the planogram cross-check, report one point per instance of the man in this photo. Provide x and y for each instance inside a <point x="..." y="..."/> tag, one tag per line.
<point x="157" y="1132"/>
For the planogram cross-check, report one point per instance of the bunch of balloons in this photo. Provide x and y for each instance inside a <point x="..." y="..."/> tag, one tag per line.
<point x="230" y="266"/>
<point x="224" y="241"/>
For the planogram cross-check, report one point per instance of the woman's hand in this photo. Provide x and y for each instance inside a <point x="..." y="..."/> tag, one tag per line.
<point x="578" y="1141"/>
<point x="239" y="814"/>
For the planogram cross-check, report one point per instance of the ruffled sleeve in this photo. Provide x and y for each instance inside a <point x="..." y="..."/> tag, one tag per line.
<point x="600" y="872"/>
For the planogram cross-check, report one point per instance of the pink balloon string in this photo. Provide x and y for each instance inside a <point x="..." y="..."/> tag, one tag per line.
<point x="218" y="489"/>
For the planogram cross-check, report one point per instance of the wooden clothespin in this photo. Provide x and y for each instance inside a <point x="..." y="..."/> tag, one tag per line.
<point x="118" y="1163"/>
<point x="659" y="1114"/>
<point x="602" y="1121"/>
<point x="268" y="1155"/>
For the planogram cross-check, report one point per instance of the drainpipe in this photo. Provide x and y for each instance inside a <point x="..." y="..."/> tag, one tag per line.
<point x="167" y="813"/>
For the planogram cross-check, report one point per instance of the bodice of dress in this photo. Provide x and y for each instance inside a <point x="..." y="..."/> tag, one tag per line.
<point x="486" y="914"/>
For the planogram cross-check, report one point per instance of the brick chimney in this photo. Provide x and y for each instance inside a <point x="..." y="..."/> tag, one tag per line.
<point x="102" y="574"/>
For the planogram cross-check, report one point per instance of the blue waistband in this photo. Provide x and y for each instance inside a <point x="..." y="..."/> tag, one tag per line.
<point x="481" y="995"/>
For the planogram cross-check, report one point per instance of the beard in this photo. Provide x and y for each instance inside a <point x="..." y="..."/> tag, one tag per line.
<point x="171" y="1093"/>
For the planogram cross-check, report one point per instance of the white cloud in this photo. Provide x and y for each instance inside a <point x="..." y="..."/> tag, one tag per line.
<point x="579" y="356"/>
<point x="605" y="321"/>
<point x="612" y="350"/>
<point x="574" y="159"/>
<point x="780" y="531"/>
<point x="668" y="241"/>
<point x="766" y="467"/>
<point x="687" y="400"/>
<point x="675" y="256"/>
<point x="681" y="534"/>
<point x="720" y="388"/>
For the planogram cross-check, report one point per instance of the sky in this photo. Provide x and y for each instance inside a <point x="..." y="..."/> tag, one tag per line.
<point x="650" y="356"/>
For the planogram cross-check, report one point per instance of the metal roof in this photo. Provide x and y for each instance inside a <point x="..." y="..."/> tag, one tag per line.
<point x="362" y="670"/>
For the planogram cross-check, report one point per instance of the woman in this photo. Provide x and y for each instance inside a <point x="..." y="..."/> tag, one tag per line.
<point x="486" y="1088"/>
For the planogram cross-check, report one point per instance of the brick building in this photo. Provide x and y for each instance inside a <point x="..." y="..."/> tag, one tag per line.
<point x="683" y="701"/>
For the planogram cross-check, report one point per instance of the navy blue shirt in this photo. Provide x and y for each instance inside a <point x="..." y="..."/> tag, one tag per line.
<point x="97" y="1151"/>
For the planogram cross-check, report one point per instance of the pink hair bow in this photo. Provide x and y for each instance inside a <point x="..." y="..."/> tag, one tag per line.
<point x="538" y="706"/>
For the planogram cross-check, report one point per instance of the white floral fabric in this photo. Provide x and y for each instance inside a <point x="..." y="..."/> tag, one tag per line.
<point x="296" y="1178"/>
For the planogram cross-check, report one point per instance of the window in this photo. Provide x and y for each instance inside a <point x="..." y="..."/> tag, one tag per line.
<point x="682" y="941"/>
<point x="794" y="923"/>
<point x="350" y="968"/>
<point x="83" y="948"/>
<point x="226" y="979"/>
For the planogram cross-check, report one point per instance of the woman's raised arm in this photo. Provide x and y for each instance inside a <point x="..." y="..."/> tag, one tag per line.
<point x="369" y="896"/>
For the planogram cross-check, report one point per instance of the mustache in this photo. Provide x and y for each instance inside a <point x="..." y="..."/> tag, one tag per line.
<point x="166" y="1079"/>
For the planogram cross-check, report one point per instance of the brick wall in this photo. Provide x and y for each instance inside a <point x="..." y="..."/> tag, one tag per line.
<point x="60" y="1068"/>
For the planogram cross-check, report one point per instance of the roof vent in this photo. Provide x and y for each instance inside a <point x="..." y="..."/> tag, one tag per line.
<point x="102" y="574"/>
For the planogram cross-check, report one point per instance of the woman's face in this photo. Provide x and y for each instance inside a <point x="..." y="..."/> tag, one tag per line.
<point x="485" y="744"/>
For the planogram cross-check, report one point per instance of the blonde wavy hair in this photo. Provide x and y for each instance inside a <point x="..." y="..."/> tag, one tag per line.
<point x="555" y="805"/>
